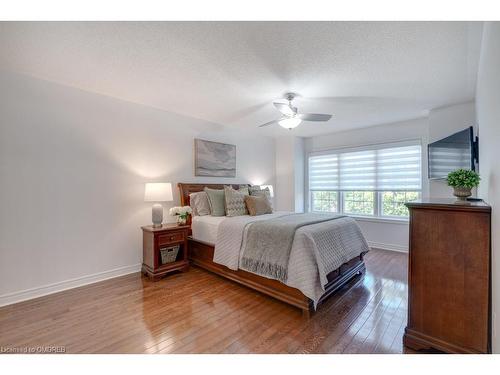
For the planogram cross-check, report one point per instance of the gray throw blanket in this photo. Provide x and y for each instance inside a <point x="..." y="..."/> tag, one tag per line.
<point x="269" y="243"/>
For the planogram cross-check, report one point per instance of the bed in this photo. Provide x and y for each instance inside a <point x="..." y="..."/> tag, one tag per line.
<point x="298" y="293"/>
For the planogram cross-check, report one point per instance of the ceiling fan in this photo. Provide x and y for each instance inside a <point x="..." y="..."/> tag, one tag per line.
<point x="291" y="118"/>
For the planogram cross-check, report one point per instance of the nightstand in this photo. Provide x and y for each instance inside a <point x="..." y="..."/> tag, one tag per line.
<point x="158" y="250"/>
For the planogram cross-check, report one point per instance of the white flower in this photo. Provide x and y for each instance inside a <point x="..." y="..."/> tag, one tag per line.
<point x="180" y="211"/>
<point x="185" y="210"/>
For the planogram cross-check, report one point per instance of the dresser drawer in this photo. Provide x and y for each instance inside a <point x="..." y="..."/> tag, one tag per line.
<point x="165" y="239"/>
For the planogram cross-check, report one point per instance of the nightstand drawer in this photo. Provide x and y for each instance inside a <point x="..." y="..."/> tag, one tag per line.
<point x="165" y="239"/>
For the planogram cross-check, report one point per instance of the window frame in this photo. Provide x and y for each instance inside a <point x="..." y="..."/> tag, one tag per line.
<point x="378" y="205"/>
<point x="342" y="199"/>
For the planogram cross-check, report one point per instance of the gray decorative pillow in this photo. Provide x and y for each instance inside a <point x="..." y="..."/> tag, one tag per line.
<point x="235" y="202"/>
<point x="244" y="190"/>
<point x="199" y="203"/>
<point x="253" y="189"/>
<point x="262" y="193"/>
<point x="216" y="201"/>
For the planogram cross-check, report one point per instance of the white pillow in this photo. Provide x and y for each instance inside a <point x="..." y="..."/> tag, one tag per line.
<point x="199" y="203"/>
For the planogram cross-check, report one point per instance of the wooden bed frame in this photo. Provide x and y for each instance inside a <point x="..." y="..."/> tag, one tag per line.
<point x="201" y="254"/>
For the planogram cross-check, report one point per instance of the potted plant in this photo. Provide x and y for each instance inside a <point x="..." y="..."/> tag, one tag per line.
<point x="462" y="181"/>
<point x="182" y="214"/>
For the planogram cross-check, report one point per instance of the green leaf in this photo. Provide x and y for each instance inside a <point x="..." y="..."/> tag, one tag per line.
<point x="463" y="178"/>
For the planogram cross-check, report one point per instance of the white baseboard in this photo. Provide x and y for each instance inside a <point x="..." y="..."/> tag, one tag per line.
<point x="23" y="295"/>
<point x="386" y="246"/>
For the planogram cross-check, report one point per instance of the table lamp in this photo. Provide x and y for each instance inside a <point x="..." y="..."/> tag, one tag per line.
<point x="158" y="192"/>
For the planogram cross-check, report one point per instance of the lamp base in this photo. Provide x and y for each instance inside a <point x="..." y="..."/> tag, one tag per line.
<point x="157" y="215"/>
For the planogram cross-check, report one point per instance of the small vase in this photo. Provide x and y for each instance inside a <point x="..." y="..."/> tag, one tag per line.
<point x="462" y="193"/>
<point x="181" y="220"/>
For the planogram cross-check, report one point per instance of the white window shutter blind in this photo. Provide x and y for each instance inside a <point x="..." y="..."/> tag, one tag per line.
<point x="399" y="168"/>
<point x="358" y="170"/>
<point x="382" y="169"/>
<point x="324" y="172"/>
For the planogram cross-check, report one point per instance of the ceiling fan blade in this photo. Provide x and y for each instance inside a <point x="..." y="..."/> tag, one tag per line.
<point x="285" y="109"/>
<point x="269" y="123"/>
<point x="314" y="117"/>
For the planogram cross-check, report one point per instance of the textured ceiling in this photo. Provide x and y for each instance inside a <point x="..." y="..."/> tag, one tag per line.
<point x="365" y="73"/>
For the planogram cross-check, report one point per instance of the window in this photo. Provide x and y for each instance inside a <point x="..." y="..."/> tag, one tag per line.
<point x="325" y="201"/>
<point x="372" y="181"/>
<point x="393" y="202"/>
<point x="359" y="202"/>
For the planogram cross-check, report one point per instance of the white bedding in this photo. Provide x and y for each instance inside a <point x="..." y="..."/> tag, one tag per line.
<point x="205" y="228"/>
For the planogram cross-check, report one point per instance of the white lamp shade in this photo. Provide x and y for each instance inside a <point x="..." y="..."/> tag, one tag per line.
<point x="270" y="189"/>
<point x="290" y="122"/>
<point x="158" y="192"/>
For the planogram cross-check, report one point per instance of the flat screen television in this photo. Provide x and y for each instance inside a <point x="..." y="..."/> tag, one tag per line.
<point x="457" y="151"/>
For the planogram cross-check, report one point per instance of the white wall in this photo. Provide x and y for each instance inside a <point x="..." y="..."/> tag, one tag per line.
<point x="299" y="169"/>
<point x="442" y="123"/>
<point x="389" y="235"/>
<point x="289" y="190"/>
<point x="72" y="170"/>
<point x="488" y="116"/>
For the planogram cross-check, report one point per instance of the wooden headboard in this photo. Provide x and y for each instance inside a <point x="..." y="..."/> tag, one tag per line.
<point x="187" y="188"/>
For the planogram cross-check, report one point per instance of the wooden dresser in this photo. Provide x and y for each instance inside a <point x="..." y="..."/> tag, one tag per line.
<point x="449" y="277"/>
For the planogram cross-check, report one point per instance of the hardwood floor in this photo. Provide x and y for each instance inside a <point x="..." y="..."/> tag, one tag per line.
<point x="198" y="312"/>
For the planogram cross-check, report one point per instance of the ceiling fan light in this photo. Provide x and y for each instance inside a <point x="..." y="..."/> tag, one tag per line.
<point x="290" y="123"/>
